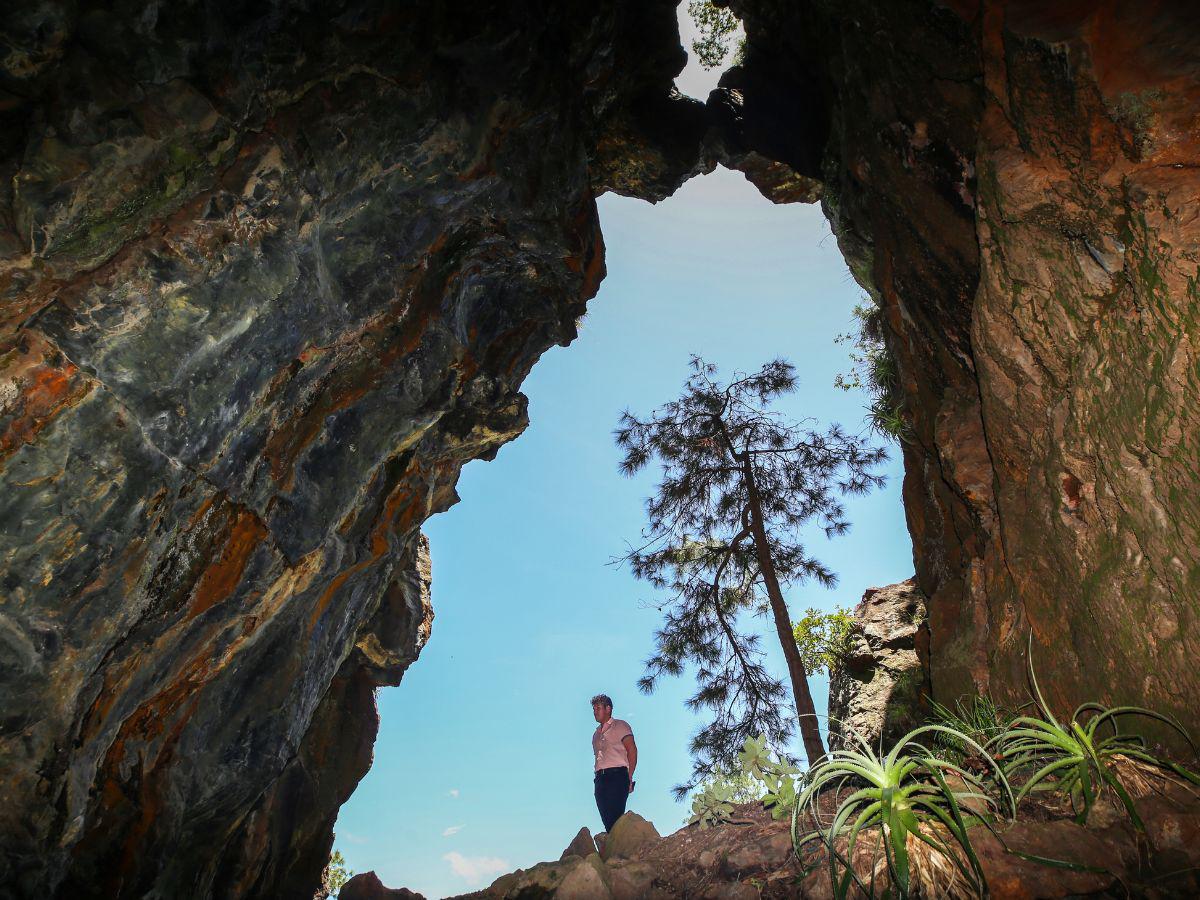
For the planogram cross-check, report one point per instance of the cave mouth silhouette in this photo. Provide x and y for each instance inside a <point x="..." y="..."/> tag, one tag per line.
<point x="715" y="269"/>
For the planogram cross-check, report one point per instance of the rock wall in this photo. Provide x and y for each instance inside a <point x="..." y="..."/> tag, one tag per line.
<point x="1016" y="184"/>
<point x="270" y="276"/>
<point x="879" y="690"/>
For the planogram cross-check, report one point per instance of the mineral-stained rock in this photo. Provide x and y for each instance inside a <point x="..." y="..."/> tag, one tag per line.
<point x="878" y="690"/>
<point x="269" y="276"/>
<point x="271" y="273"/>
<point x="1015" y="184"/>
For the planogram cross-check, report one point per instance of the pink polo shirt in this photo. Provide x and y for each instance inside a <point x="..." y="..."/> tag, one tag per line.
<point x="607" y="744"/>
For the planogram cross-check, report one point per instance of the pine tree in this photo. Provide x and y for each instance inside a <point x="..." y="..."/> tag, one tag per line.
<point x="739" y="481"/>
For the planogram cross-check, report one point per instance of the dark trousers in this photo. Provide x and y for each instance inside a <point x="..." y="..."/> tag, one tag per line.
<point x="612" y="792"/>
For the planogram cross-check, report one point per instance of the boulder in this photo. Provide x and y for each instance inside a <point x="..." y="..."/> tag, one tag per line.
<point x="367" y="886"/>
<point x="632" y="879"/>
<point x="762" y="854"/>
<point x="544" y="879"/>
<point x="630" y="835"/>
<point x="878" y="690"/>
<point x="589" y="880"/>
<point x="581" y="845"/>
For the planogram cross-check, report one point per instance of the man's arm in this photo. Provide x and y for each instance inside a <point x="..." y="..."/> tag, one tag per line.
<point x="631" y="752"/>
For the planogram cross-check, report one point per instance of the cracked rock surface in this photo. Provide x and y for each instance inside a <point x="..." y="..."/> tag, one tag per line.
<point x="269" y="276"/>
<point x="878" y="690"/>
<point x="1016" y="185"/>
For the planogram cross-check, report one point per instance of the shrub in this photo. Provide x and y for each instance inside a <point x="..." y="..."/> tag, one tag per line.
<point x="759" y="777"/>
<point x="823" y="638"/>
<point x="335" y="876"/>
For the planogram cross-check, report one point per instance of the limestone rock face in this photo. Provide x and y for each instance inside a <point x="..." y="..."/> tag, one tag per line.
<point x="1015" y="185"/>
<point x="877" y="691"/>
<point x="269" y="276"/>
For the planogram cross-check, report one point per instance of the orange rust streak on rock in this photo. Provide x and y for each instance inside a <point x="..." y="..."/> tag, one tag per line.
<point x="45" y="390"/>
<point x="118" y="805"/>
<point x="363" y="372"/>
<point x="222" y="577"/>
<point x="389" y="522"/>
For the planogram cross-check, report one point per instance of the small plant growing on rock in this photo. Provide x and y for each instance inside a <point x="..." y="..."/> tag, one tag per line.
<point x="1083" y="755"/>
<point x="979" y="718"/>
<point x="713" y="804"/>
<point x="916" y="803"/>
<point x="823" y="638"/>
<point x="874" y="371"/>
<point x="778" y="776"/>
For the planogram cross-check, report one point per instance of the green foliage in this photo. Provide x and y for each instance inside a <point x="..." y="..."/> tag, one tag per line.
<point x="874" y="371"/>
<point x="1082" y="756"/>
<point x="777" y="775"/>
<point x="1136" y="113"/>
<point x="909" y="793"/>
<point x="823" y="638"/>
<point x="758" y="777"/>
<point x="716" y="28"/>
<point x="979" y="718"/>
<point x="335" y="876"/>
<point x="713" y="802"/>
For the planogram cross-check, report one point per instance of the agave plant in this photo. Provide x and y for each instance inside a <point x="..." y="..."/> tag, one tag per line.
<point x="912" y="797"/>
<point x="1081" y="756"/>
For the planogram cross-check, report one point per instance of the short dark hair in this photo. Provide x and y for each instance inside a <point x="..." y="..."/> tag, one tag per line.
<point x="602" y="700"/>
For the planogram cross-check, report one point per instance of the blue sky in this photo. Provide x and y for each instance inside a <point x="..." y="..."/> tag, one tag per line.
<point x="483" y="758"/>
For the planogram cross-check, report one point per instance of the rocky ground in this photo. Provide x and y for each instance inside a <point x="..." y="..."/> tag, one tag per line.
<point x="751" y="857"/>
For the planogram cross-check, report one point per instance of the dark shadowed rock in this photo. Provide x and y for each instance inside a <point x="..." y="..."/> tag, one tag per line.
<point x="1016" y="195"/>
<point x="367" y="886"/>
<point x="269" y="276"/>
<point x="877" y="691"/>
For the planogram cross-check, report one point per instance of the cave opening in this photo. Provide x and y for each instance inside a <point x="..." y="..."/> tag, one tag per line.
<point x="270" y="276"/>
<point x="481" y="763"/>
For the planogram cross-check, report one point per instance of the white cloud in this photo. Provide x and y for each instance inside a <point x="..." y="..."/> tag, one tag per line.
<point x="454" y="792"/>
<point x="475" y="869"/>
<point x="453" y="829"/>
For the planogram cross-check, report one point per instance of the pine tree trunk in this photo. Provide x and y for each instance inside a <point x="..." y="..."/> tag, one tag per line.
<point x="810" y="734"/>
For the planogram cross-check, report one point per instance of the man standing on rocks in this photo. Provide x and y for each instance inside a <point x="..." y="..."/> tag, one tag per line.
<point x="616" y="758"/>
